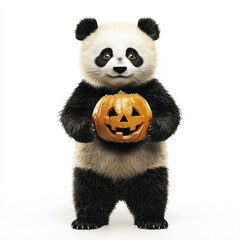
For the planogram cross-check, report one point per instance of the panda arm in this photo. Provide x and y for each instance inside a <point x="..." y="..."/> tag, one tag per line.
<point x="76" y="114"/>
<point x="166" y="114"/>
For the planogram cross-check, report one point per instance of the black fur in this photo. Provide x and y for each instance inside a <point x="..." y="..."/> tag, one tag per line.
<point x="145" y="194"/>
<point x="150" y="27"/>
<point x="100" y="61"/>
<point x="94" y="199"/>
<point x="138" y="61"/>
<point x="85" y="28"/>
<point x="76" y="115"/>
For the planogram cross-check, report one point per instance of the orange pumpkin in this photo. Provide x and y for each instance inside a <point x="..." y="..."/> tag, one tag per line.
<point x="122" y="117"/>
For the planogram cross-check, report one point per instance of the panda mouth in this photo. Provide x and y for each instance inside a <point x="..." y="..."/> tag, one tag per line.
<point x="124" y="131"/>
<point x="119" y="76"/>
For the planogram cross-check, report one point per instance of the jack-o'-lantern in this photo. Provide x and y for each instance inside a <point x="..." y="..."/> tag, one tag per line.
<point x="122" y="117"/>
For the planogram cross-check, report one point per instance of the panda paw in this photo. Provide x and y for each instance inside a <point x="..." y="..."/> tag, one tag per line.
<point x="160" y="224"/>
<point x="84" y="132"/>
<point x="87" y="224"/>
<point x="157" y="131"/>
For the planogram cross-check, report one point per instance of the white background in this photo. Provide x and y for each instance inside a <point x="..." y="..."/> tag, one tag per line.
<point x="198" y="62"/>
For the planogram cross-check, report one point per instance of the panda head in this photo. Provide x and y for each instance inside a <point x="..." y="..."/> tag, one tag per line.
<point x="118" y="53"/>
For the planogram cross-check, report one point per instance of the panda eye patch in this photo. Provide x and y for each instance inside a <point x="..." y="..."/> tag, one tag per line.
<point x="134" y="57"/>
<point x="102" y="59"/>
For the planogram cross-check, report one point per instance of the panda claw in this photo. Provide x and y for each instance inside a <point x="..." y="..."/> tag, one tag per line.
<point x="82" y="227"/>
<point x="158" y="224"/>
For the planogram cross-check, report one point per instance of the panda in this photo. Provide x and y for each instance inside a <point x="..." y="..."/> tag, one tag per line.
<point x="119" y="56"/>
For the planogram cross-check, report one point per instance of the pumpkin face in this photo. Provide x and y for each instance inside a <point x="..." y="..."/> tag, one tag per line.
<point x="122" y="117"/>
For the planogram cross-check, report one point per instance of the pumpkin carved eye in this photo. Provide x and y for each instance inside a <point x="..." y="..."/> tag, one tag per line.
<point x="112" y="112"/>
<point x="135" y="113"/>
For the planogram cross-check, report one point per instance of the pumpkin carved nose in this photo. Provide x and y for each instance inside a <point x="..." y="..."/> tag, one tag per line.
<point x="123" y="119"/>
<point x="119" y="69"/>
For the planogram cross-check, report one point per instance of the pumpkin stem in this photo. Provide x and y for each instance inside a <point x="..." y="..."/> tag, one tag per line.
<point x="121" y="92"/>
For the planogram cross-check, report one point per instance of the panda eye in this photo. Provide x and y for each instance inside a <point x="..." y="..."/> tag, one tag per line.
<point x="131" y="56"/>
<point x="106" y="56"/>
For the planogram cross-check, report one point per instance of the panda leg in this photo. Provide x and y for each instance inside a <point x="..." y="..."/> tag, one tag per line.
<point x="146" y="196"/>
<point x="94" y="199"/>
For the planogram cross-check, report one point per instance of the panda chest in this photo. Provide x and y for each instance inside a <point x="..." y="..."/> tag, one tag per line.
<point x="120" y="163"/>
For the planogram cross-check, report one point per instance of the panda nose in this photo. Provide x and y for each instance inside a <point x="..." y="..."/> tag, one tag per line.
<point x="119" y="69"/>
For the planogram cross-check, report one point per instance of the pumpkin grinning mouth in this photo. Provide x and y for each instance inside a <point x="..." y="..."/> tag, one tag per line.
<point x="125" y="131"/>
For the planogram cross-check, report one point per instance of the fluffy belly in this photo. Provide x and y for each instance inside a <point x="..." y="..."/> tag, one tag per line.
<point x="120" y="160"/>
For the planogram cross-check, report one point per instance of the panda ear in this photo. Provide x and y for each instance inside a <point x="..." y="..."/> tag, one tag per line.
<point x="85" y="27"/>
<point x="150" y="27"/>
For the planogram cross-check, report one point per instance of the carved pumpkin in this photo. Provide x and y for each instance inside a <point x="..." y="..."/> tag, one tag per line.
<point x="122" y="117"/>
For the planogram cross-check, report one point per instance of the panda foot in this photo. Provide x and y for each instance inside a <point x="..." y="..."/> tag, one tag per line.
<point x="86" y="224"/>
<point x="159" y="224"/>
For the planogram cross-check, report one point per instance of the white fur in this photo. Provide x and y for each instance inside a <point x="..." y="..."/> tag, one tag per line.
<point x="118" y="36"/>
<point x="116" y="164"/>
